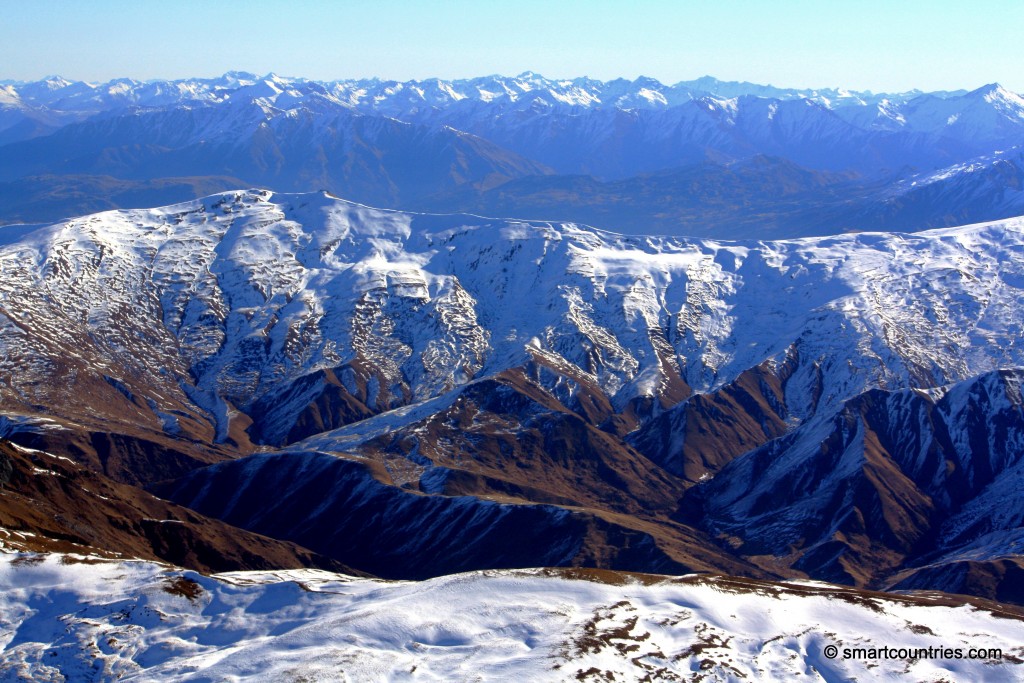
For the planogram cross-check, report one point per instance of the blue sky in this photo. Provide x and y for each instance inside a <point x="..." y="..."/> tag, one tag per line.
<point x="866" y="45"/>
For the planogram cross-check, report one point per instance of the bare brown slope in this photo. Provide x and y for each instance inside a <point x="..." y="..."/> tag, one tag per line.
<point x="866" y="517"/>
<point x="508" y="436"/>
<point x="61" y="506"/>
<point x="131" y="456"/>
<point x="104" y="421"/>
<point x="351" y="509"/>
<point x="1001" y="579"/>
<point x="504" y="476"/>
<point x="874" y="495"/>
<point x="706" y="432"/>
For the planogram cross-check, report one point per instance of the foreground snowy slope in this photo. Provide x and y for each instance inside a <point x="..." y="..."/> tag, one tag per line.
<point x="65" y="616"/>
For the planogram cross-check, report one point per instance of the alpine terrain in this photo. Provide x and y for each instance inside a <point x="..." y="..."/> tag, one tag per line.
<point x="774" y="404"/>
<point x="699" y="158"/>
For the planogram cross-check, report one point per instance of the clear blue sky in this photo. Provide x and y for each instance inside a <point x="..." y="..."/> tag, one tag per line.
<point x="873" y="45"/>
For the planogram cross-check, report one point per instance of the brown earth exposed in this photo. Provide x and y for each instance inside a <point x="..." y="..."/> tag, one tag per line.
<point x="531" y="466"/>
<point x="48" y="503"/>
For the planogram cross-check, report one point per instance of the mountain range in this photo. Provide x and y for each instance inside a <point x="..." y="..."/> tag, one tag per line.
<point x="632" y="156"/>
<point x="331" y="353"/>
<point x="520" y="393"/>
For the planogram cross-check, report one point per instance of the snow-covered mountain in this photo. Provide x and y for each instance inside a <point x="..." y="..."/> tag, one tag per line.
<point x="412" y="144"/>
<point x="986" y="187"/>
<point x="61" y="618"/>
<point x="394" y="98"/>
<point x="248" y="295"/>
<point x="613" y="129"/>
<point x="258" y="379"/>
<point x="477" y="374"/>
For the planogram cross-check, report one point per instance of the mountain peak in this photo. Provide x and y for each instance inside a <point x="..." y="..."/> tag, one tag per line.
<point x="1000" y="99"/>
<point x="56" y="82"/>
<point x="239" y="76"/>
<point x="988" y="90"/>
<point x="647" y="82"/>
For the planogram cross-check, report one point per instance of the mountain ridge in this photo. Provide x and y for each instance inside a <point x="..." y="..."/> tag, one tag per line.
<point x="482" y="369"/>
<point x="454" y="145"/>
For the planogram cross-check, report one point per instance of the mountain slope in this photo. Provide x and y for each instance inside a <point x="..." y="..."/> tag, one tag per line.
<point x="368" y="157"/>
<point x="984" y="188"/>
<point x="474" y="373"/>
<point x="891" y="476"/>
<point x="223" y="304"/>
<point x="358" y="514"/>
<point x="48" y="503"/>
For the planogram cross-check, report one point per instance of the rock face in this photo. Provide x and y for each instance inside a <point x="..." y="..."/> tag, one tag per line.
<point x="418" y="394"/>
